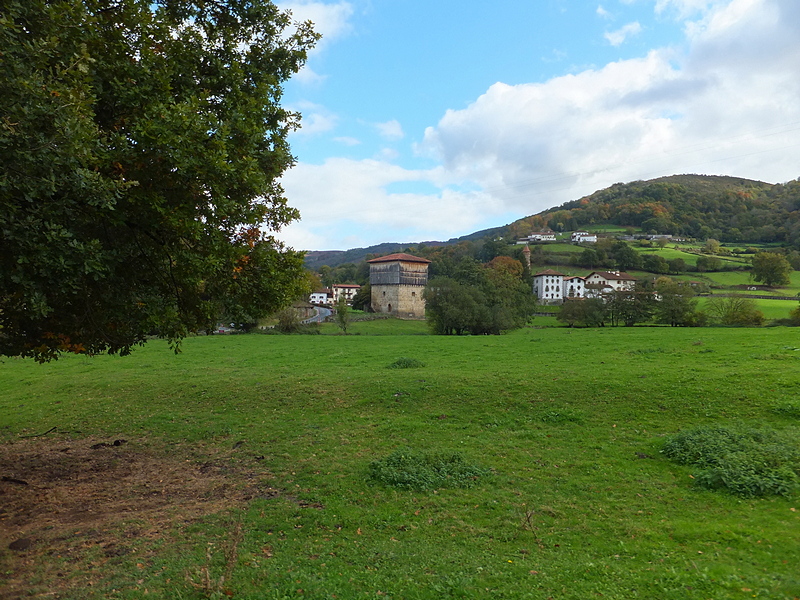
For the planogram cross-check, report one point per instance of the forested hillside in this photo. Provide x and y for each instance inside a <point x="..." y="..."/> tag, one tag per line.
<point x="700" y="206"/>
<point x="729" y="209"/>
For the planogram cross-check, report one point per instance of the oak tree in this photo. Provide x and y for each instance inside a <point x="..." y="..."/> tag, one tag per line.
<point x="141" y="142"/>
<point x="771" y="268"/>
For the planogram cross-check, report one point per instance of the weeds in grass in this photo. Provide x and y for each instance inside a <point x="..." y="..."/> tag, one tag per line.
<point x="406" y="363"/>
<point x="745" y="462"/>
<point x="560" y="416"/>
<point x="788" y="410"/>
<point x="408" y="469"/>
<point x="217" y="587"/>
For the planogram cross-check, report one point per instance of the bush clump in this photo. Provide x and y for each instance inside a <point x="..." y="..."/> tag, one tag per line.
<point x="560" y="416"/>
<point x="745" y="462"/>
<point x="407" y="469"/>
<point x="406" y="363"/>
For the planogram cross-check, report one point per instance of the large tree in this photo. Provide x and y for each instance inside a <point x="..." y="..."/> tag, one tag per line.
<point x="141" y="142"/>
<point x="676" y="304"/>
<point x="771" y="268"/>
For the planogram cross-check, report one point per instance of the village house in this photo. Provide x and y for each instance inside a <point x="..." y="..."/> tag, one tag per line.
<point x="601" y="282"/>
<point x="574" y="287"/>
<point x="583" y="237"/>
<point x="552" y="287"/>
<point x="321" y="297"/>
<point x="347" y="290"/>
<point x="548" y="286"/>
<point x="545" y="235"/>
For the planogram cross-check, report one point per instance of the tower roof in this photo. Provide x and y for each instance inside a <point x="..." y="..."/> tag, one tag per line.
<point x="402" y="257"/>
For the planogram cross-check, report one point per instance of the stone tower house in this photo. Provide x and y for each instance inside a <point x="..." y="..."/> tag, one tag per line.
<point x="396" y="282"/>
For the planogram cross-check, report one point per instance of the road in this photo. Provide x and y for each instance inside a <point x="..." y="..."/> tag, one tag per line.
<point x="322" y="314"/>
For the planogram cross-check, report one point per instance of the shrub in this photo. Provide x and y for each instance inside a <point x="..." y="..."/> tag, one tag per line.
<point x="745" y="462"/>
<point x="407" y="469"/>
<point x="560" y="416"/>
<point x="406" y="363"/>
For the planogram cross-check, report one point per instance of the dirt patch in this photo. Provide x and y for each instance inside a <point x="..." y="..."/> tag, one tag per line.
<point x="90" y="501"/>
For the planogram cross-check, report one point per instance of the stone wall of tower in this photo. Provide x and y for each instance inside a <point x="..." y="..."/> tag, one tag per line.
<point x="396" y="288"/>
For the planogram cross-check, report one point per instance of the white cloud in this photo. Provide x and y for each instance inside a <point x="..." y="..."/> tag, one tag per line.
<point x="729" y="103"/>
<point x="616" y="38"/>
<point x="390" y="130"/>
<point x="602" y="12"/>
<point x="343" y="195"/>
<point x="347" y="141"/>
<point x="331" y="20"/>
<point x="316" y="119"/>
<point x="686" y="8"/>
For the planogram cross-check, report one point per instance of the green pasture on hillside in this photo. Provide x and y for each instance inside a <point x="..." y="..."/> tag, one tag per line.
<point x="578" y="502"/>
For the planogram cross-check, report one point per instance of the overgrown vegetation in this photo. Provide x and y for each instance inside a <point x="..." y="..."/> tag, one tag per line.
<point x="406" y="363"/>
<point x="744" y="461"/>
<point x="415" y="470"/>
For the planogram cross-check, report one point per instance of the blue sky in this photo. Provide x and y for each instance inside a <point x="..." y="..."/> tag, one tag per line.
<point x="430" y="120"/>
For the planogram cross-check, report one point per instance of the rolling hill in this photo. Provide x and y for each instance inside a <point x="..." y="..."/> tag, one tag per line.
<point x="730" y="209"/>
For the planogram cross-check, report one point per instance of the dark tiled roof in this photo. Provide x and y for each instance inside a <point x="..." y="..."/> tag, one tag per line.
<point x="400" y="256"/>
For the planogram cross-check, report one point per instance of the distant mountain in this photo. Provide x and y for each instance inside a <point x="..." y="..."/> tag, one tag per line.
<point x="730" y="209"/>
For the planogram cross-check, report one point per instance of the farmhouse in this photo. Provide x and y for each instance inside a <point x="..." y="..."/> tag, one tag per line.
<point x="545" y="235"/>
<point x="583" y="237"/>
<point x="344" y="289"/>
<point x="574" y="287"/>
<point x="321" y="297"/>
<point x="600" y="282"/>
<point x="396" y="282"/>
<point x="552" y="287"/>
<point x="548" y="286"/>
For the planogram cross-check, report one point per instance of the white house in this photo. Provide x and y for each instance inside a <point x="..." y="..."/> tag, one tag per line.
<point x="574" y="287"/>
<point x="548" y="286"/>
<point x="545" y="235"/>
<point x="321" y="297"/>
<point x="599" y="282"/>
<point x="344" y="289"/>
<point x="583" y="237"/>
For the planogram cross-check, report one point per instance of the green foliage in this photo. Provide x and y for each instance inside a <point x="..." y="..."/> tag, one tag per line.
<point x="342" y="313"/>
<point x="362" y="299"/>
<point x="478" y="300"/>
<point x="735" y="311"/>
<point x="583" y="312"/>
<point x="791" y="410"/>
<point x="412" y="470"/>
<point x="676" y="305"/>
<point x="771" y="268"/>
<point x="406" y="363"/>
<point x="702" y="207"/>
<point x="560" y="416"/>
<point x="746" y="462"/>
<point x="141" y="147"/>
<point x="708" y="263"/>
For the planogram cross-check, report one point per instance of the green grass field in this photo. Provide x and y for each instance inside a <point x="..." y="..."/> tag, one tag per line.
<point x="579" y="503"/>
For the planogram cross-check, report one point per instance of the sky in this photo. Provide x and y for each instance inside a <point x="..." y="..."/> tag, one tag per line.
<point x="429" y="120"/>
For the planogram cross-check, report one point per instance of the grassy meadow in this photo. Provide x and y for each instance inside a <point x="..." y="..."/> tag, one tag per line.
<point x="578" y="501"/>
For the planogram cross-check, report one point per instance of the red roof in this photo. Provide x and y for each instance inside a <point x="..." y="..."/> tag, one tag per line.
<point x="401" y="257"/>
